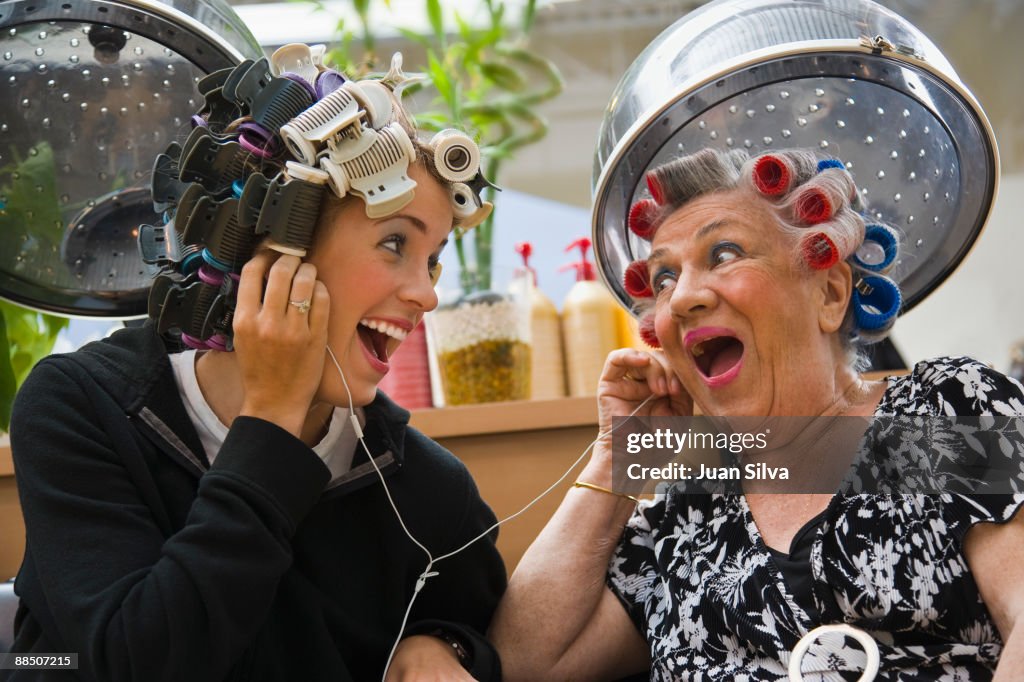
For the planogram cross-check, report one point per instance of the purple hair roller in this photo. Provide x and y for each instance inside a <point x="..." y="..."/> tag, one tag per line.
<point x="327" y="82"/>
<point x="301" y="81"/>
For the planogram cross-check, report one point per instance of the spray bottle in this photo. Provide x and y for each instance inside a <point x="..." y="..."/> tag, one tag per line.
<point x="590" y="325"/>
<point x="547" y="379"/>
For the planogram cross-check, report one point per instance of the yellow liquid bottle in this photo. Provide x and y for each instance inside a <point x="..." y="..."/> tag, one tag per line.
<point x="590" y="326"/>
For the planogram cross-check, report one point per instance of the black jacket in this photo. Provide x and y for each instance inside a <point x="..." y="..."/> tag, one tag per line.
<point x="153" y="565"/>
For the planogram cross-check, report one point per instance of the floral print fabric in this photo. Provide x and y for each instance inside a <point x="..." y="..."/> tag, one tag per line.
<point x="697" y="579"/>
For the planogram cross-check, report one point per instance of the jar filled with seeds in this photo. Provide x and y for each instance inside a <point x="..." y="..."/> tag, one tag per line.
<point x="482" y="347"/>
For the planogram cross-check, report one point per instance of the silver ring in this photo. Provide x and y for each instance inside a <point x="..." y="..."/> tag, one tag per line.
<point x="302" y="305"/>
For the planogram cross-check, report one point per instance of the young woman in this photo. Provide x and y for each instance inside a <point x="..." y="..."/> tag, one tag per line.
<point x="201" y="513"/>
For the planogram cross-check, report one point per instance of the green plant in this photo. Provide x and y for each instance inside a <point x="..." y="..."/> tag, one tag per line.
<point x="29" y="198"/>
<point x="487" y="81"/>
<point x="26" y="336"/>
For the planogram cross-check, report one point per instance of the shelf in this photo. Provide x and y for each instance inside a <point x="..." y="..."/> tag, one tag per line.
<point x="510" y="417"/>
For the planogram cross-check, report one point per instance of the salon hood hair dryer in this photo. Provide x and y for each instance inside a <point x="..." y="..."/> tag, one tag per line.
<point x="847" y="78"/>
<point x="90" y="92"/>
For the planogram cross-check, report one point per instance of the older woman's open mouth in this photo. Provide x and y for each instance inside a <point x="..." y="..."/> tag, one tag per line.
<point x="717" y="353"/>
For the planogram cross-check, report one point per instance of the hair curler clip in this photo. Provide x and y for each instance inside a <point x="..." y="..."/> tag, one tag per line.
<point x="456" y="155"/>
<point x="213" y="164"/>
<point x="288" y="210"/>
<point x="160" y="245"/>
<point x="879" y="249"/>
<point x="294" y="58"/>
<point x="188" y="307"/>
<point x="271" y="101"/>
<point x="376" y="98"/>
<point x="214" y="224"/>
<point x="165" y="186"/>
<point x="468" y="208"/>
<point x="876" y="302"/>
<point x="373" y="165"/>
<point x="217" y="108"/>
<point x="305" y="134"/>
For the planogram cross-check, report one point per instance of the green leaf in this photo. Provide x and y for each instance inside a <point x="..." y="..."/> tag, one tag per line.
<point x="436" y="21"/>
<point x="414" y="37"/>
<point x="503" y="76"/>
<point x="529" y="13"/>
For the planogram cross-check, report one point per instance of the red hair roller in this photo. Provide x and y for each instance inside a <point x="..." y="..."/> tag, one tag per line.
<point x="772" y="175"/>
<point x="647" y="333"/>
<point x="638" y="280"/>
<point x="642" y="218"/>
<point x="813" y="206"/>
<point x="655" y="188"/>
<point x="820" y="252"/>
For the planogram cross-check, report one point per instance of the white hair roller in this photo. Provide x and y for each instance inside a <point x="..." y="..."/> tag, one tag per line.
<point x="305" y="134"/>
<point x="456" y="155"/>
<point x="375" y="166"/>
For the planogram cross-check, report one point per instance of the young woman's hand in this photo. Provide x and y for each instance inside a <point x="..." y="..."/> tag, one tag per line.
<point x="280" y="337"/>
<point x="424" y="658"/>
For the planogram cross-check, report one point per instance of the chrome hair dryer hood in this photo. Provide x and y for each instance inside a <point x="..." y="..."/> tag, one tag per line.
<point x="92" y="91"/>
<point x="848" y="78"/>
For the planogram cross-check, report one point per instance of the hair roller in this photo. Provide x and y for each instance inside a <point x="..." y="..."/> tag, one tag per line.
<point x="818" y="251"/>
<point x="637" y="280"/>
<point x="647" y="332"/>
<point x="643" y="218"/>
<point x="773" y="175"/>
<point x="456" y="155"/>
<point x="876" y="302"/>
<point x="655" y="187"/>
<point x="878" y="251"/>
<point x="813" y="205"/>
<point x="825" y="164"/>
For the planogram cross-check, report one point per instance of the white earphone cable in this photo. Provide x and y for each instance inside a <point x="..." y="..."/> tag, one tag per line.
<point x="428" y="571"/>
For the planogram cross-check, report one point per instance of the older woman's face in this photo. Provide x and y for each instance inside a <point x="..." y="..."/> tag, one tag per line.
<point x="737" y="318"/>
<point x="379" y="275"/>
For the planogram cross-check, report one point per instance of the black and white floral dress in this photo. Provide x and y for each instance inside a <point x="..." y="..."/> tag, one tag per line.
<point x="708" y="596"/>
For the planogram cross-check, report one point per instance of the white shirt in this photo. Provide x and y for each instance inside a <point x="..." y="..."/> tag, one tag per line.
<point x="336" y="449"/>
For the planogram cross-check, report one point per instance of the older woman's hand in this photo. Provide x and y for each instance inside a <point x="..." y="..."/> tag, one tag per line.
<point x="630" y="377"/>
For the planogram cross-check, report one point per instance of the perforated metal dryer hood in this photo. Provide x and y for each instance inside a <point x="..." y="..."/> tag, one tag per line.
<point x="90" y="93"/>
<point x="773" y="74"/>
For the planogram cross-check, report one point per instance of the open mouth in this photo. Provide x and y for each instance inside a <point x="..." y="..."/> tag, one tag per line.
<point x="380" y="338"/>
<point x="717" y="357"/>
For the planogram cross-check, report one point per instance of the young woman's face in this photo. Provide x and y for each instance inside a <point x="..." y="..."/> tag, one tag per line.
<point x="379" y="275"/>
<point x="738" y="319"/>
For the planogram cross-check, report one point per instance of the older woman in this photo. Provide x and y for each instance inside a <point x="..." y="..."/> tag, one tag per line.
<point x="758" y="279"/>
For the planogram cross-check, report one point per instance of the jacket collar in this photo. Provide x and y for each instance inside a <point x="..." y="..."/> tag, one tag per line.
<point x="132" y="366"/>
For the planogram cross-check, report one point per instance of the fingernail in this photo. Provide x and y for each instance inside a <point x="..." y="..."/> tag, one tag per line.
<point x="677" y="387"/>
<point x="662" y="386"/>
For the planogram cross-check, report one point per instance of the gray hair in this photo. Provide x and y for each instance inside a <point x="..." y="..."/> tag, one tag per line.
<point x="790" y="196"/>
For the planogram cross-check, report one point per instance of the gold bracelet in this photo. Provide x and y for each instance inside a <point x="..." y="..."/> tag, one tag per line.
<point x="581" y="484"/>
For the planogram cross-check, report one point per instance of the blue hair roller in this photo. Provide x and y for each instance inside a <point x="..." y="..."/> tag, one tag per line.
<point x="825" y="164"/>
<point x="191" y="263"/>
<point x="874" y="310"/>
<point x="214" y="263"/>
<point x="883" y="237"/>
<point x="236" y="188"/>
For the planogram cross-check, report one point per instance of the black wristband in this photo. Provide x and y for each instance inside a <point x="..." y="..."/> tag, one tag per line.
<point x="458" y="645"/>
<point x="481" y="661"/>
